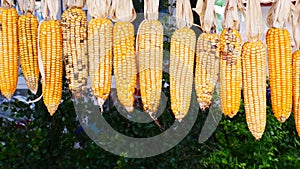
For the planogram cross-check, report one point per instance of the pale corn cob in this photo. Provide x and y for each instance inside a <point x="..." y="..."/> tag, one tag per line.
<point x="296" y="89"/>
<point x="150" y="57"/>
<point x="280" y="67"/>
<point x="254" y="80"/>
<point x="28" y="33"/>
<point x="8" y="51"/>
<point x="100" y="32"/>
<point x="207" y="68"/>
<point x="124" y="63"/>
<point x="182" y="50"/>
<point x="74" y="26"/>
<point x="230" y="71"/>
<point x="50" y="43"/>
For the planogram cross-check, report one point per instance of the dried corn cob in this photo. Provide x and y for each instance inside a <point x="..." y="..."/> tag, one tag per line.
<point x="207" y="68"/>
<point x="150" y="56"/>
<point x="100" y="32"/>
<point x="254" y="80"/>
<point x="8" y="51"/>
<point x="75" y="48"/>
<point x="124" y="63"/>
<point x="50" y="43"/>
<point x="280" y="66"/>
<point x="296" y="89"/>
<point x="28" y="31"/>
<point x="182" y="50"/>
<point x="230" y="71"/>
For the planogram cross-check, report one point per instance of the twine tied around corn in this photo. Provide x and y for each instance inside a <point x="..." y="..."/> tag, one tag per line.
<point x="206" y="11"/>
<point x="231" y="15"/>
<point x="279" y="14"/>
<point x="253" y="21"/>
<point x="26" y="6"/>
<point x="122" y="11"/>
<point x="184" y="14"/>
<point x="74" y="3"/>
<point x="98" y="8"/>
<point x="296" y="24"/>
<point x="7" y="3"/>
<point x="151" y="9"/>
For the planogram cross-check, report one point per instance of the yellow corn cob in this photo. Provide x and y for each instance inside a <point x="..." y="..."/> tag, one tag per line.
<point x="207" y="68"/>
<point x="124" y="61"/>
<point x="28" y="30"/>
<point x="230" y="71"/>
<point x="150" y="57"/>
<point x="8" y="51"/>
<point x="50" y="42"/>
<point x="100" y="32"/>
<point x="280" y="66"/>
<point x="254" y="80"/>
<point x="182" y="50"/>
<point x="75" y="48"/>
<point x="296" y="89"/>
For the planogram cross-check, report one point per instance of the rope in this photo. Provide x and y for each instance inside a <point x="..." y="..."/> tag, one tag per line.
<point x="98" y="8"/>
<point x="151" y="9"/>
<point x="184" y="14"/>
<point x="254" y="23"/>
<point x="122" y="11"/>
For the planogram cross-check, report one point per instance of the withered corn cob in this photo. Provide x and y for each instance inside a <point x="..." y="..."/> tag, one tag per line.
<point x="207" y="68"/>
<point x="50" y="42"/>
<point x="254" y="80"/>
<point x="230" y="71"/>
<point x="124" y="63"/>
<point x="74" y="26"/>
<point x="182" y="50"/>
<point x="296" y="89"/>
<point x="280" y="67"/>
<point x="28" y="33"/>
<point x="150" y="57"/>
<point x="100" y="32"/>
<point x="8" y="51"/>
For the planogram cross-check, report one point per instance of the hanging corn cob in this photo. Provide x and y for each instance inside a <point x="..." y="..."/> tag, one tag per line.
<point x="50" y="59"/>
<point x="150" y="56"/>
<point x="230" y="60"/>
<point x="28" y="33"/>
<point x="8" y="48"/>
<point x="296" y="65"/>
<point x="74" y="27"/>
<point x="124" y="62"/>
<point x="254" y="71"/>
<point x="182" y="54"/>
<point x="207" y="54"/>
<point x="280" y="59"/>
<point x="100" y="32"/>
